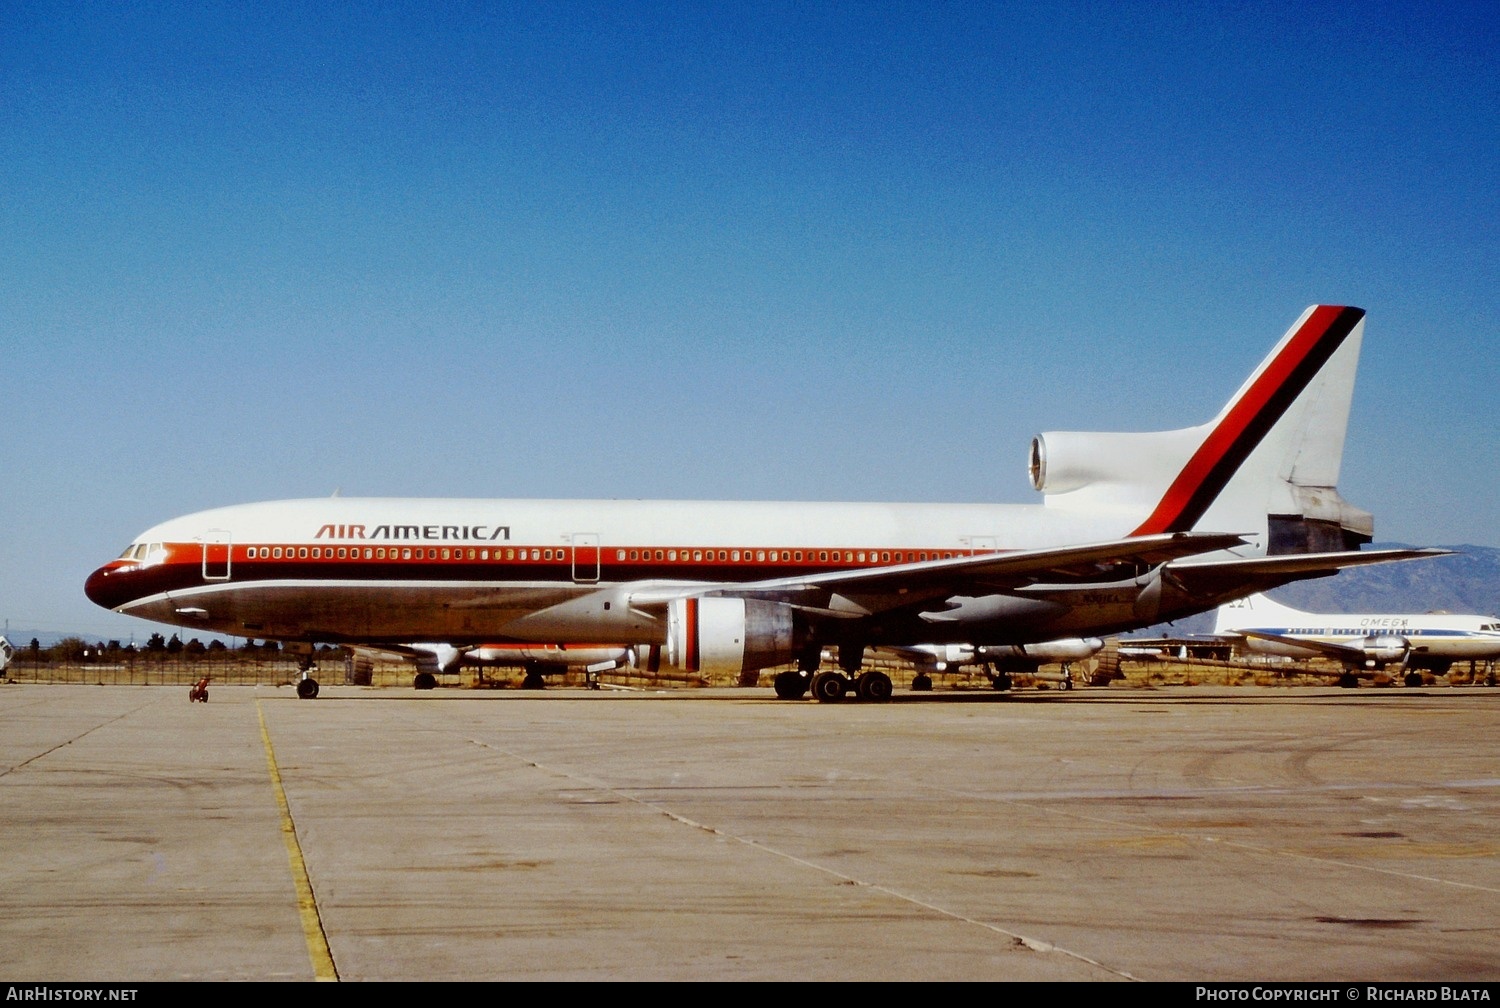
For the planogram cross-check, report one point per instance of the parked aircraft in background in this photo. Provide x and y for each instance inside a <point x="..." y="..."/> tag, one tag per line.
<point x="1134" y="529"/>
<point x="534" y="660"/>
<point x="7" y="652"/>
<point x="1399" y="643"/>
<point x="1000" y="662"/>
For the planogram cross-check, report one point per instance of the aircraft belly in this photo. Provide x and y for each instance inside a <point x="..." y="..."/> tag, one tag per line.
<point x="1465" y="650"/>
<point x="367" y="613"/>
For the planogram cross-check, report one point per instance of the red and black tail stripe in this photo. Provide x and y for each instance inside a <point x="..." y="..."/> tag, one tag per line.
<point x="1227" y="446"/>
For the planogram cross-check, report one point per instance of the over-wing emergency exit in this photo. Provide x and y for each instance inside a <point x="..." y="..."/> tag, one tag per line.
<point x="1133" y="529"/>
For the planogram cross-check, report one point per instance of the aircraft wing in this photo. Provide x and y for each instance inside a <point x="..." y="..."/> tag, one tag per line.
<point x="394" y="650"/>
<point x="1327" y="649"/>
<point x="434" y="658"/>
<point x="858" y="593"/>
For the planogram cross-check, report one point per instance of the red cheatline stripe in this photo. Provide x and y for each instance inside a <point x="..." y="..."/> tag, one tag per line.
<point x="1227" y="446"/>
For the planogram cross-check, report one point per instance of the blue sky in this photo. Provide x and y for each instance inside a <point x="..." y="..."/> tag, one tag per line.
<point x="775" y="251"/>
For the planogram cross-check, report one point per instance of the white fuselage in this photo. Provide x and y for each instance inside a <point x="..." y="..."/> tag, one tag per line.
<point x="397" y="569"/>
<point x="1461" y="638"/>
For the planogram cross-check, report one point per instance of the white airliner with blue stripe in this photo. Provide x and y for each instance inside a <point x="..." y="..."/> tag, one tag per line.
<point x="1401" y="642"/>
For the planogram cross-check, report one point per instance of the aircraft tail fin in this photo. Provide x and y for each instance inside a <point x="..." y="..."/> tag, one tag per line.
<point x="1266" y="466"/>
<point x="1258" y="609"/>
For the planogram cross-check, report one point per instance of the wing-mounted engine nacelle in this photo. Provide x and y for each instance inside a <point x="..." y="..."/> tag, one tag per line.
<point x="1382" y="650"/>
<point x="438" y="659"/>
<point x="727" y="636"/>
<point x="1067" y="649"/>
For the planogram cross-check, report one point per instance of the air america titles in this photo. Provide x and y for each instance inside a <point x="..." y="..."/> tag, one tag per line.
<point x="409" y="533"/>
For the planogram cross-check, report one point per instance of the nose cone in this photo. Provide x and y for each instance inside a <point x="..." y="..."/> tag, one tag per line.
<point x="108" y="586"/>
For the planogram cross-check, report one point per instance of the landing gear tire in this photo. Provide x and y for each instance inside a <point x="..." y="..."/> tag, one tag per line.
<point x="1001" y="681"/>
<point x="533" y="680"/>
<point x="921" y="683"/>
<point x="792" y="685"/>
<point x="829" y="687"/>
<point x="1348" y="680"/>
<point x="307" y="689"/>
<point x="874" y="687"/>
<point x="424" y="680"/>
<point x="1413" y="679"/>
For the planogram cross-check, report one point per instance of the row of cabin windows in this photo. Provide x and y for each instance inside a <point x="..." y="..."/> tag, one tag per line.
<point x="391" y="553"/>
<point x="777" y="556"/>
<point x="668" y="555"/>
<point x="1375" y="631"/>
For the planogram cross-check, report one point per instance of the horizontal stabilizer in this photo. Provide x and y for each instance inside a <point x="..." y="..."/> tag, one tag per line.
<point x="1249" y="575"/>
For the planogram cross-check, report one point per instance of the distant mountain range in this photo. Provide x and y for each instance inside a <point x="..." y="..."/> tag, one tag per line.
<point x="1466" y="582"/>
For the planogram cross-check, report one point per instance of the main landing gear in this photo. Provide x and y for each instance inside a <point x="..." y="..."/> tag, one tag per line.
<point x="1002" y="680"/>
<point x="828" y="686"/>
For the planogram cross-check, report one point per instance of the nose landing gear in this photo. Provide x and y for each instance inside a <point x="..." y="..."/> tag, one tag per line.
<point x="307" y="686"/>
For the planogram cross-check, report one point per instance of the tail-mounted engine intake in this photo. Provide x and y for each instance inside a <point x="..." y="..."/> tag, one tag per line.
<point x="727" y="636"/>
<point x="1065" y="462"/>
